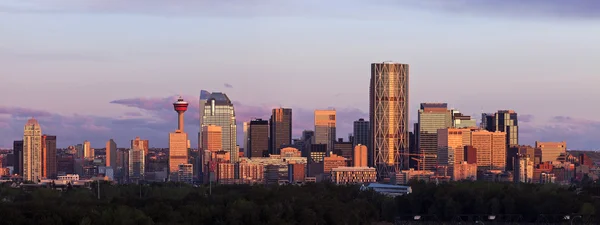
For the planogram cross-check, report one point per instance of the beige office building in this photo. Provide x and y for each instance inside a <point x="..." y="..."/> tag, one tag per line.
<point x="325" y="128"/>
<point x="88" y="151"/>
<point x="111" y="154"/>
<point x="32" y="151"/>
<point x="551" y="150"/>
<point x="491" y="149"/>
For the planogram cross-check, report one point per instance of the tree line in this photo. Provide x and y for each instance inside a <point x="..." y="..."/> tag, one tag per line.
<point x="320" y="203"/>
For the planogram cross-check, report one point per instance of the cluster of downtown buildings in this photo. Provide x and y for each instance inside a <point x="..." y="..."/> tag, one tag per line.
<point x="444" y="145"/>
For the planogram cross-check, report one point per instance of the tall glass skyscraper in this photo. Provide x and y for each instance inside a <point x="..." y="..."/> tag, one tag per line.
<point x="388" y="112"/>
<point x="325" y="131"/>
<point x="280" y="129"/>
<point x="219" y="111"/>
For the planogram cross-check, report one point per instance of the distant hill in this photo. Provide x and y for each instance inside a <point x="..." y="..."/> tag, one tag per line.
<point x="594" y="155"/>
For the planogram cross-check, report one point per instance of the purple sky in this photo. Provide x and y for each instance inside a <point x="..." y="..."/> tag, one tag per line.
<point x="101" y="69"/>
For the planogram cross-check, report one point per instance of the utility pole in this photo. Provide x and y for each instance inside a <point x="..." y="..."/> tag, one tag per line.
<point x="98" y="189"/>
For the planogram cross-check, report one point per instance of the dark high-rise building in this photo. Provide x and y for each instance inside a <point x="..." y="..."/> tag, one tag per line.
<point x="65" y="164"/>
<point x="49" y="167"/>
<point x="506" y="121"/>
<point x="344" y="149"/>
<point x="258" y="138"/>
<point x="280" y="129"/>
<point x="488" y="122"/>
<point x="362" y="131"/>
<point x="18" y="157"/>
<point x="307" y="137"/>
<point x="388" y="113"/>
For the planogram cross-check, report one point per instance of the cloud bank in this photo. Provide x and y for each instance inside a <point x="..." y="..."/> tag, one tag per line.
<point x="149" y="118"/>
<point x="574" y="9"/>
<point x="154" y="118"/>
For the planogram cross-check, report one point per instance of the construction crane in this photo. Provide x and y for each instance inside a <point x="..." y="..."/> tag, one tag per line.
<point x="421" y="157"/>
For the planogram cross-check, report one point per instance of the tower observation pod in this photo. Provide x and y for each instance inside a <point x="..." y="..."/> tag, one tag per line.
<point x="180" y="107"/>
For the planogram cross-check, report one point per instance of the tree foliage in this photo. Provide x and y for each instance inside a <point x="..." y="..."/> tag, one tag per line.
<point x="323" y="203"/>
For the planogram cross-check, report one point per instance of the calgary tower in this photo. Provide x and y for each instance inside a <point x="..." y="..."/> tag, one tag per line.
<point x="180" y="107"/>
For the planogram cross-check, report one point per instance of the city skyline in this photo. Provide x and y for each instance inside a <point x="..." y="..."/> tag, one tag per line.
<point x="446" y="48"/>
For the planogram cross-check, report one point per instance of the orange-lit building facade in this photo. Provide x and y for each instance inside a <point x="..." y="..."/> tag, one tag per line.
<point x="226" y="173"/>
<point x="139" y="143"/>
<point x="450" y="147"/>
<point x="353" y="175"/>
<point x="491" y="149"/>
<point x="212" y="138"/>
<point x="49" y="168"/>
<point x="290" y="152"/>
<point x="251" y="173"/>
<point x="178" y="152"/>
<point x="465" y="171"/>
<point x="360" y="156"/>
<point x="296" y="172"/>
<point x="550" y="151"/>
<point x="333" y="161"/>
<point x="325" y="128"/>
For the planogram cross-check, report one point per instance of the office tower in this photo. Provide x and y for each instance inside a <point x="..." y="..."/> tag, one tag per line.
<point x="523" y="169"/>
<point x="506" y="121"/>
<point x="432" y="117"/>
<point x="111" y="154"/>
<point x="450" y="148"/>
<point x="388" y="113"/>
<point x="178" y="142"/>
<point x="49" y="157"/>
<point x="18" y="157"/>
<point x="88" y="151"/>
<point x="344" y="149"/>
<point x="362" y="133"/>
<point x="204" y="95"/>
<point x="185" y="173"/>
<point x="325" y="128"/>
<point x="32" y="151"/>
<point x="218" y="110"/>
<point x="280" y="129"/>
<point x="141" y="144"/>
<point x="462" y="121"/>
<point x="258" y="138"/>
<point x="360" y="156"/>
<point x="491" y="149"/>
<point x="137" y="165"/>
<point x="79" y="153"/>
<point x="246" y="145"/>
<point x="307" y="139"/>
<point x="550" y="151"/>
<point x="488" y="122"/>
<point x="212" y="138"/>
<point x="122" y="170"/>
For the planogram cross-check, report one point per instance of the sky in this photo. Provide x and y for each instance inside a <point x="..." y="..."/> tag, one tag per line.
<point x="100" y="69"/>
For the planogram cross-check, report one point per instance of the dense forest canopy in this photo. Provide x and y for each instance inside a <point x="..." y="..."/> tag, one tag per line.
<point x="321" y="203"/>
